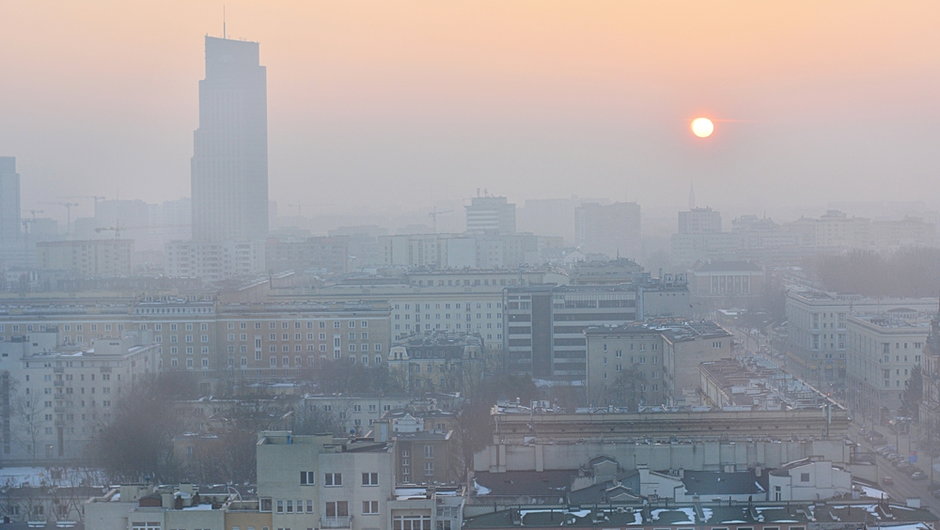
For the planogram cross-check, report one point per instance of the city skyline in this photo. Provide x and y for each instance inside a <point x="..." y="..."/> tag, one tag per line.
<point x="548" y="101"/>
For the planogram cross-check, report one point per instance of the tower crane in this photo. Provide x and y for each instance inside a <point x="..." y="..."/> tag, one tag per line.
<point x="433" y="215"/>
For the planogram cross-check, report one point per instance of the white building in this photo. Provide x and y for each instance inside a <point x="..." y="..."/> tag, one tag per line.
<point x="491" y="215"/>
<point x="817" y="329"/>
<point x="882" y="351"/>
<point x="62" y="398"/>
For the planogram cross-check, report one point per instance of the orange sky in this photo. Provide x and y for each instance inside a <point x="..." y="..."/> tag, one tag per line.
<point x="525" y="98"/>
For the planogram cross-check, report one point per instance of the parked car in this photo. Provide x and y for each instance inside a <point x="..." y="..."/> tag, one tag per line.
<point x="887" y="481"/>
<point x="918" y="475"/>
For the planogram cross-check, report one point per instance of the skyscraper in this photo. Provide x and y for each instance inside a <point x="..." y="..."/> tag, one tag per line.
<point x="230" y="152"/>
<point x="9" y="202"/>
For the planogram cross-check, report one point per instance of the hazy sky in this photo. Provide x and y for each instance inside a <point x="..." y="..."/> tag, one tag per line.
<point x="388" y="105"/>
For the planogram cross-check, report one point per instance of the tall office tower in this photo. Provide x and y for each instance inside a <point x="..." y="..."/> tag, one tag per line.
<point x="9" y="202"/>
<point x="491" y="215"/>
<point x="611" y="229"/>
<point x="699" y="221"/>
<point x="230" y="152"/>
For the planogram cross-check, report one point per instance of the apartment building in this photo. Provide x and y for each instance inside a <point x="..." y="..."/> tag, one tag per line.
<point x="882" y="352"/>
<point x="652" y="363"/>
<point x="817" y="329"/>
<point x="437" y="362"/>
<point x="204" y="335"/>
<point x="61" y="398"/>
<point x="545" y="325"/>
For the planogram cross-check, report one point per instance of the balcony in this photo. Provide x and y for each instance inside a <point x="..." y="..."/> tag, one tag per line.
<point x="339" y="521"/>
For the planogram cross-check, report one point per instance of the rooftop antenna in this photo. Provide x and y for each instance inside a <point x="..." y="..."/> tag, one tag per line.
<point x="224" y="32"/>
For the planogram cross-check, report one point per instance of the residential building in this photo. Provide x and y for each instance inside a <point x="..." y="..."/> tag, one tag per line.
<point x="651" y="363"/>
<point x="544" y="325"/>
<point x="214" y="261"/>
<point x="355" y="413"/>
<point x="228" y="341"/>
<point x="63" y="397"/>
<point x="816" y="329"/>
<point x="92" y="258"/>
<point x="437" y="362"/>
<point x="882" y="353"/>
<point x="316" y="481"/>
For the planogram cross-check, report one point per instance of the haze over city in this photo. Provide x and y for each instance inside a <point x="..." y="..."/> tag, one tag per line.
<point x="389" y="105"/>
<point x="466" y="265"/>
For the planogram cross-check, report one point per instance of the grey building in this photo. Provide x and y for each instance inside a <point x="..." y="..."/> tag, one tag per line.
<point x="544" y="325"/>
<point x="491" y="215"/>
<point x="230" y="152"/>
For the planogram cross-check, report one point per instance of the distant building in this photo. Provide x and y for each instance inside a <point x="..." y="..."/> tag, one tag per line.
<point x="613" y="229"/>
<point x="544" y="325"/>
<point x="92" y="258"/>
<point x="230" y="153"/>
<point x="724" y="284"/>
<point x="491" y="215"/>
<point x="699" y="221"/>
<point x="437" y="362"/>
<point x="652" y="363"/>
<point x="10" y="229"/>
<point x="214" y="262"/>
<point x="817" y="330"/>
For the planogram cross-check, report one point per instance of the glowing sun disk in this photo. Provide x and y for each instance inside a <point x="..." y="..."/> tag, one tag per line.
<point x="702" y="127"/>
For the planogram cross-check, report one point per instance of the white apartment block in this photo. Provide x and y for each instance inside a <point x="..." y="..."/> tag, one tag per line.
<point x="213" y="261"/>
<point x="817" y="329"/>
<point x="319" y="482"/>
<point x="61" y="398"/>
<point x="883" y="349"/>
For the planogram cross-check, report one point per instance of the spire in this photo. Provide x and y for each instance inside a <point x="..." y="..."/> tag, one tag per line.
<point x="224" y="31"/>
<point x="691" y="195"/>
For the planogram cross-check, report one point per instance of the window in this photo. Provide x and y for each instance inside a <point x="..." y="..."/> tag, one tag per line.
<point x="428" y="451"/>
<point x="428" y="468"/>
<point x="370" y="507"/>
<point x="370" y="479"/>
<point x="411" y="522"/>
<point x="337" y="509"/>
<point x="307" y="478"/>
<point x="333" y="479"/>
<point x="804" y="477"/>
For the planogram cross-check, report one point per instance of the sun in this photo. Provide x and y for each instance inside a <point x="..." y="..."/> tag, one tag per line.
<point x="702" y="127"/>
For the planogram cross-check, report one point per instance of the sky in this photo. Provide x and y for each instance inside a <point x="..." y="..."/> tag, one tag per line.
<point x="388" y="105"/>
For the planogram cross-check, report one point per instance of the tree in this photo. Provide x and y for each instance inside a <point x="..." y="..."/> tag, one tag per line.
<point x="913" y="394"/>
<point x="138" y="443"/>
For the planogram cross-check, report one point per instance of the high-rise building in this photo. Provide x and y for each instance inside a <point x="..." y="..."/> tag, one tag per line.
<point x="9" y="202"/>
<point x="230" y="153"/>
<point x="491" y="215"/>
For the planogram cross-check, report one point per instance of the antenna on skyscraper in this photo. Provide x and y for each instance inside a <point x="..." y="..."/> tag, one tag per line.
<point x="691" y="194"/>
<point x="224" y="32"/>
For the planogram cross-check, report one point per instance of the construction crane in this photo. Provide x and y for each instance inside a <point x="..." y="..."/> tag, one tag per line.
<point x="433" y="215"/>
<point x="298" y="206"/>
<point x="95" y="198"/>
<point x="68" y="214"/>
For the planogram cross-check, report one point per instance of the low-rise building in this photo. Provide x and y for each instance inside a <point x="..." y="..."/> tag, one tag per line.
<point x="437" y="362"/>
